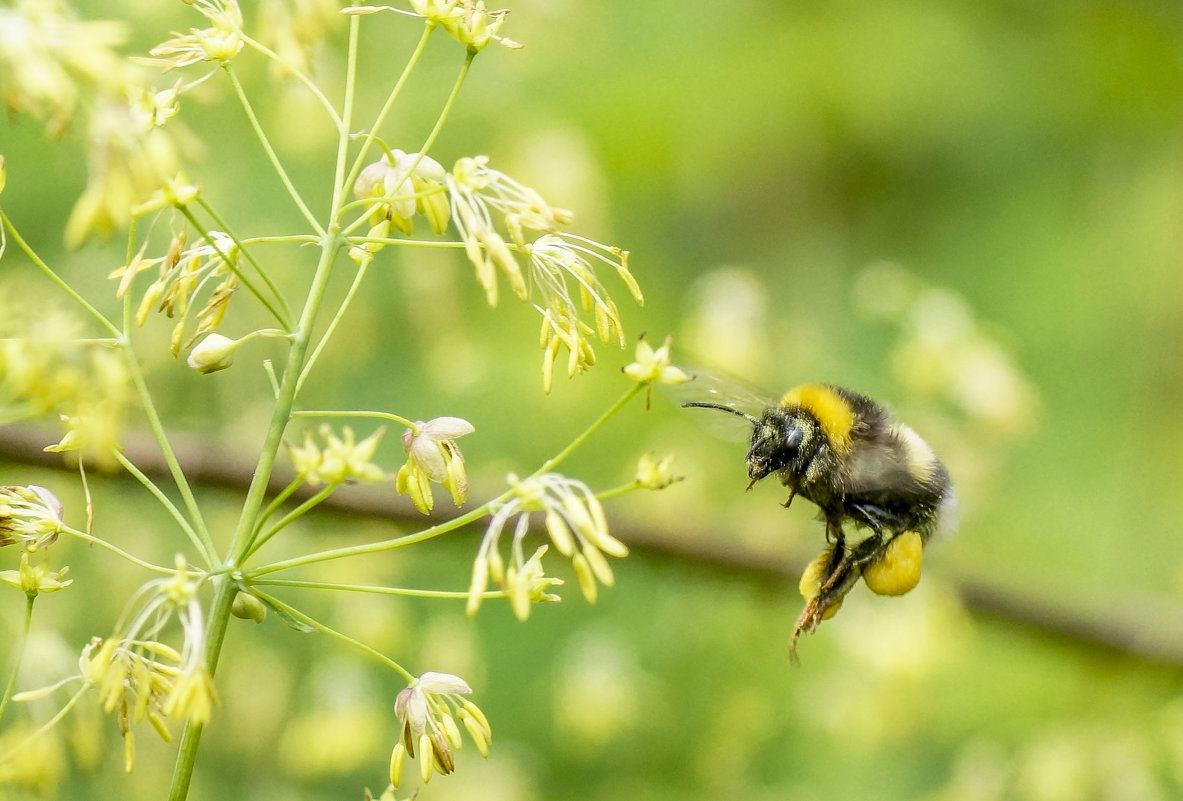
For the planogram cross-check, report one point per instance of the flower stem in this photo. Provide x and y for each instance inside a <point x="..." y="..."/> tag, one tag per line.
<point x="324" y="340"/>
<point x="19" y="656"/>
<point x="57" y="279"/>
<point x="302" y="78"/>
<point x="230" y="265"/>
<point x="285" y="319"/>
<point x="261" y="539"/>
<point x="456" y="522"/>
<point x="368" y="139"/>
<point x="49" y="724"/>
<point x="203" y="542"/>
<point x="225" y="588"/>
<point x="394" y="418"/>
<point x="271" y="154"/>
<point x="345" y="638"/>
<point x="82" y="535"/>
<point x="164" y="499"/>
<point x="376" y="590"/>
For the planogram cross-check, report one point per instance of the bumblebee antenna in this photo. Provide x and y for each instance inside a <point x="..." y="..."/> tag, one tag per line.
<point x="701" y="405"/>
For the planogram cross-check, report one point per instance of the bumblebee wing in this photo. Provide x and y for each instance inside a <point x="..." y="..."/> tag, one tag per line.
<point x="723" y="394"/>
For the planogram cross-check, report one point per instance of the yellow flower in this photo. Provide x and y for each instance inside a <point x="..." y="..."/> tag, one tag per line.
<point x="466" y="21"/>
<point x="49" y="60"/>
<point x="577" y="528"/>
<point x="29" y="515"/>
<point x="655" y="474"/>
<point x="427" y="710"/>
<point x="342" y="459"/>
<point x="654" y="365"/>
<point x="432" y="455"/>
<point x="401" y="184"/>
<point x="221" y="42"/>
<point x="35" y="579"/>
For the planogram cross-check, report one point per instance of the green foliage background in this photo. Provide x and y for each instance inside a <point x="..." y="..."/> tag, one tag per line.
<point x="1028" y="157"/>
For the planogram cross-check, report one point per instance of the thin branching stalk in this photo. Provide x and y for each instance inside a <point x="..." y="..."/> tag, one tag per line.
<point x="206" y="545"/>
<point x="456" y="522"/>
<point x="19" y="656"/>
<point x="345" y="638"/>
<point x="375" y="589"/>
<point x="272" y="156"/>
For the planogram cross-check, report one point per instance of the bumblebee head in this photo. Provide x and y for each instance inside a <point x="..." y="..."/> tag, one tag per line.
<point x="778" y="437"/>
<point x="776" y="443"/>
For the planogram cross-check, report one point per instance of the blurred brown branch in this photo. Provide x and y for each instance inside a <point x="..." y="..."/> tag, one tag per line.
<point x="1147" y="627"/>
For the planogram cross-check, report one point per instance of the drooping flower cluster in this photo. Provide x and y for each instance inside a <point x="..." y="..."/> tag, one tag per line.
<point x="557" y="262"/>
<point x="575" y="522"/>
<point x="432" y="455"/>
<point x="31" y="516"/>
<point x="402" y="184"/>
<point x="137" y="676"/>
<point x="427" y="711"/>
<point x="182" y="274"/>
<point x="559" y="278"/>
<point x="556" y="259"/>
<point x="220" y="42"/>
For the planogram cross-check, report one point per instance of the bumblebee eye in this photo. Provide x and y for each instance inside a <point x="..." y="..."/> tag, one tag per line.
<point x="793" y="438"/>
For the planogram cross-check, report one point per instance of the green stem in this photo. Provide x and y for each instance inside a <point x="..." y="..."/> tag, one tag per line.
<point x="454" y="523"/>
<point x="272" y="156"/>
<point x="225" y="587"/>
<point x="279" y="499"/>
<point x="324" y="340"/>
<point x="285" y="319"/>
<point x="394" y="418"/>
<point x="431" y="137"/>
<point x="205" y="544"/>
<point x="345" y="638"/>
<point x="165" y="501"/>
<point x="254" y="290"/>
<point x="82" y="535"/>
<point x="402" y="591"/>
<point x="383" y="545"/>
<point x="614" y="492"/>
<point x="368" y="139"/>
<point x="49" y="724"/>
<point x="261" y="539"/>
<point x="57" y="279"/>
<point x="302" y="78"/>
<point x="19" y="656"/>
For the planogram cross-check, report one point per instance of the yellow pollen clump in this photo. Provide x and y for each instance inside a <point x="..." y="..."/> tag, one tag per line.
<point x="897" y="570"/>
<point x="811" y="582"/>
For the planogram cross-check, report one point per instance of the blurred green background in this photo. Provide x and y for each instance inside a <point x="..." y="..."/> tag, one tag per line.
<point x="970" y="210"/>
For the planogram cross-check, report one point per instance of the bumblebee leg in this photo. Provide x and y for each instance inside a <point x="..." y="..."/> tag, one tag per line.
<point x="841" y="575"/>
<point x="878" y="518"/>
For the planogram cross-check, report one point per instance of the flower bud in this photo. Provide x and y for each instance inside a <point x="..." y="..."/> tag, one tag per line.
<point x="213" y="353"/>
<point x="248" y="607"/>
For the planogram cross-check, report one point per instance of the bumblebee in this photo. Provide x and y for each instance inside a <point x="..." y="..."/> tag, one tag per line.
<point x="848" y="455"/>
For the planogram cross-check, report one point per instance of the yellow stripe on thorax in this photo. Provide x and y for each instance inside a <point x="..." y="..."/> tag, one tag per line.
<point x="833" y="413"/>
